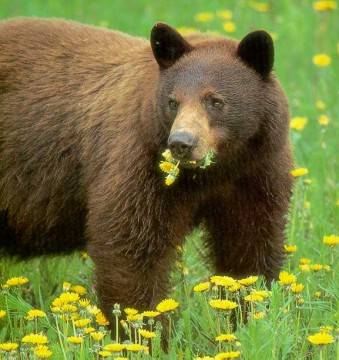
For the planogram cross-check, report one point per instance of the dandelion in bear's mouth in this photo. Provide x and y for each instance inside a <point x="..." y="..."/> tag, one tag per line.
<point x="170" y="165"/>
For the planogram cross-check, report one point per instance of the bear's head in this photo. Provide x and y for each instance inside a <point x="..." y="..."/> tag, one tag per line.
<point x="212" y="93"/>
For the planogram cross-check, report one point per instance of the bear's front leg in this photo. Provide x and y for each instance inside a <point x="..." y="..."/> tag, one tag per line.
<point x="246" y="228"/>
<point x="131" y="250"/>
<point x="129" y="280"/>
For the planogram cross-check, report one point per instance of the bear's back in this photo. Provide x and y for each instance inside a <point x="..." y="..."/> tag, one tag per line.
<point x="51" y="72"/>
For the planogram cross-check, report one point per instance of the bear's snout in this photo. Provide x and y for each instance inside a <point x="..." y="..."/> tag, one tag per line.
<point x="181" y="144"/>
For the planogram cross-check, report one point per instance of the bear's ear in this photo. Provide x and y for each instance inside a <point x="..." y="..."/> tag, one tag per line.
<point x="257" y="51"/>
<point x="167" y="45"/>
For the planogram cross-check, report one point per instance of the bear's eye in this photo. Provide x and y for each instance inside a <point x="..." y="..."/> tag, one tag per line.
<point x="173" y="104"/>
<point x="217" y="103"/>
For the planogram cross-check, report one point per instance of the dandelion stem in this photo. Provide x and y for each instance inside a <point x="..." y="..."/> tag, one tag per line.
<point x="59" y="337"/>
<point x="169" y="331"/>
<point x="116" y="328"/>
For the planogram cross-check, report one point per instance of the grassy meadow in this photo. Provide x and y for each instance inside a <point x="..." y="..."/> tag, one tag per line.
<point x="298" y="318"/>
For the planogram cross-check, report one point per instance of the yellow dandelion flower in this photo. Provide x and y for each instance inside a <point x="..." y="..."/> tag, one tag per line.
<point x="260" y="6"/>
<point x="167" y="155"/>
<point x="297" y="288"/>
<point x="89" y="330"/>
<point x="104" y="353"/>
<point x="75" y="316"/>
<point x="167" y="305"/>
<point x="307" y="204"/>
<point x="331" y="240"/>
<point x="37" y="339"/>
<point x="147" y="334"/>
<point x="286" y="279"/>
<point x="298" y="123"/>
<point x="8" y="346"/>
<point x="79" y="289"/>
<point x="2" y="313"/>
<point x="169" y="180"/>
<point x="75" y="339"/>
<point x="223" y="304"/>
<point x="136" y="347"/>
<point x="92" y="309"/>
<point x="258" y="315"/>
<point x="227" y="355"/>
<point x="223" y="280"/>
<point x="130" y="311"/>
<point x="321" y="60"/>
<point x="84" y="255"/>
<point x="42" y="352"/>
<point x="300" y="301"/>
<point x="324" y="5"/>
<point x="326" y="329"/>
<point x="150" y="314"/>
<point x="101" y="319"/>
<point x="263" y="293"/>
<point x="299" y="172"/>
<point x="253" y="298"/>
<point x="66" y="286"/>
<point x="305" y="261"/>
<point x="136" y="317"/>
<point x="68" y="297"/>
<point x="204" y="286"/>
<point x="16" y="281"/>
<point x="316" y="267"/>
<point x="290" y="248"/>
<point x="116" y="347"/>
<point x="166" y="166"/>
<point x="323" y="120"/>
<point x="317" y="294"/>
<point x="97" y="335"/>
<point x="56" y="309"/>
<point x="35" y="313"/>
<point x="184" y="30"/>
<point x="69" y="308"/>
<point x="304" y="267"/>
<point x="225" y="14"/>
<point x="320" y="105"/>
<point x="204" y="17"/>
<point x="326" y="267"/>
<point x="84" y="303"/>
<point x="321" y="338"/>
<point x="81" y="323"/>
<point x="248" y="281"/>
<point x="235" y="287"/>
<point x="229" y="26"/>
<point x="226" y="337"/>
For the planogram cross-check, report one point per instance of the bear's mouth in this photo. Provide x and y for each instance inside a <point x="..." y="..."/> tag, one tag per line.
<point x="191" y="164"/>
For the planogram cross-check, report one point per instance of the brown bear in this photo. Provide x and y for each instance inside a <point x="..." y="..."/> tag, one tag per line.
<point x="85" y="114"/>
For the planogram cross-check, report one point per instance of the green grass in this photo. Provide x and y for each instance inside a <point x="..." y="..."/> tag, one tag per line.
<point x="300" y="33"/>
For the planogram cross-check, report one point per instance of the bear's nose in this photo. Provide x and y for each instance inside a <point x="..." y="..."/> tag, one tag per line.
<point x="181" y="144"/>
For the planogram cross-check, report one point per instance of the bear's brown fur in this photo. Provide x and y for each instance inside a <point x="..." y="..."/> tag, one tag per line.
<point x="84" y="118"/>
